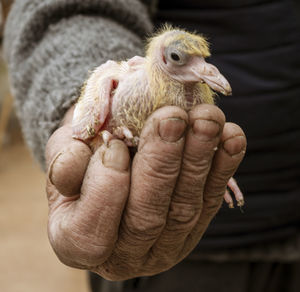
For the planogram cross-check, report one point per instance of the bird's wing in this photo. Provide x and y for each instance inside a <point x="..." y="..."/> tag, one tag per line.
<point x="136" y="61"/>
<point x="93" y="106"/>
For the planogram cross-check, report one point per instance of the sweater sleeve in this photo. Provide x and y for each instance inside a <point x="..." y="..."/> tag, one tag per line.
<point x="51" y="45"/>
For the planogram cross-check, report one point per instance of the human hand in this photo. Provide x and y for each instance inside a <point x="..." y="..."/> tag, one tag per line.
<point x="124" y="220"/>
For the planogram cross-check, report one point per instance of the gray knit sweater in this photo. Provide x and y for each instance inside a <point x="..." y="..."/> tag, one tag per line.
<point x="51" y="45"/>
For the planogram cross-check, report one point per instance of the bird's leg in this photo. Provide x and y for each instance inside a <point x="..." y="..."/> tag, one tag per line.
<point x="228" y="199"/>
<point x="237" y="194"/>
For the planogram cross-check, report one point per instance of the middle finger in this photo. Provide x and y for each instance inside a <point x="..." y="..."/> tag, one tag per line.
<point x="206" y="125"/>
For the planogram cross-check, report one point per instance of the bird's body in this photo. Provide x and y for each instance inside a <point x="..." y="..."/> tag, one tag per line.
<point x="118" y="97"/>
<point x="138" y="95"/>
<point x="122" y="95"/>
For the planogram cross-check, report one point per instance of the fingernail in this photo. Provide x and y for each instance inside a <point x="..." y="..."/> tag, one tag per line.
<point x="51" y="166"/>
<point x="171" y="129"/>
<point x="116" y="156"/>
<point x="206" y="130"/>
<point x="235" y="145"/>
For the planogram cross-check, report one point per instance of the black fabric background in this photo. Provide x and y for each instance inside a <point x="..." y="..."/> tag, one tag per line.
<point x="256" y="45"/>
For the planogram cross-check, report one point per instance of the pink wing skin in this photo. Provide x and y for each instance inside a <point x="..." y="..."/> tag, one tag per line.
<point x="136" y="61"/>
<point x="93" y="106"/>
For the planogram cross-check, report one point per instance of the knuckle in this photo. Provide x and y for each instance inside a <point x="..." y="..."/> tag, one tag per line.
<point x="182" y="216"/>
<point x="144" y="227"/>
<point x="193" y="163"/>
<point x="156" y="204"/>
<point x="190" y="192"/>
<point x="190" y="188"/>
<point x="161" y="165"/>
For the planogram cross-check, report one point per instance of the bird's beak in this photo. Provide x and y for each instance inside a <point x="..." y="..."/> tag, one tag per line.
<point x="209" y="74"/>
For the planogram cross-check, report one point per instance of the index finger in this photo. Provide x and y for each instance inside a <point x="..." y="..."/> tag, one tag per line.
<point x="154" y="174"/>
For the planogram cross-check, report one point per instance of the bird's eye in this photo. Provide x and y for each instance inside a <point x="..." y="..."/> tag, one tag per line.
<point x="175" y="57"/>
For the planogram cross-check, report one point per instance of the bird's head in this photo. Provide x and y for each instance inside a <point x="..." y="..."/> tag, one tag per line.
<point x="181" y="55"/>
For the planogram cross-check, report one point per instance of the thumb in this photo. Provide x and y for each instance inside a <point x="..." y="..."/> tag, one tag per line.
<point x="67" y="160"/>
<point x="83" y="231"/>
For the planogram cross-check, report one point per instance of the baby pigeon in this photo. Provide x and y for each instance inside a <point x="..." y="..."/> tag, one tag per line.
<point x="118" y="97"/>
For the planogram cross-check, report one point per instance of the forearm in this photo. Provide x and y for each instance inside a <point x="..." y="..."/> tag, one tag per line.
<point x="51" y="45"/>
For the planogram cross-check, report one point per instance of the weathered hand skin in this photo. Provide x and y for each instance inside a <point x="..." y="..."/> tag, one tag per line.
<point x="124" y="219"/>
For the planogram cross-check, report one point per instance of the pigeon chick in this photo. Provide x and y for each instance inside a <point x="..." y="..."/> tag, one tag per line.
<point x="118" y="97"/>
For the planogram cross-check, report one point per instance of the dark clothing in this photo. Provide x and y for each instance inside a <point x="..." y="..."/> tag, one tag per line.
<point x="194" y="276"/>
<point x="256" y="45"/>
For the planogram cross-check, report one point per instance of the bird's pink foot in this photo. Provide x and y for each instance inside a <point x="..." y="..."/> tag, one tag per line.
<point x="239" y="197"/>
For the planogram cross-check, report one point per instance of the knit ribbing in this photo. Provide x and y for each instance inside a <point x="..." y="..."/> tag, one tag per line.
<point x="51" y="45"/>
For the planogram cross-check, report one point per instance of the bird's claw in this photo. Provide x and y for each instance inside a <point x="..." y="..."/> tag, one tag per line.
<point x="106" y="137"/>
<point x="134" y="142"/>
<point x="123" y="133"/>
<point x="232" y="184"/>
